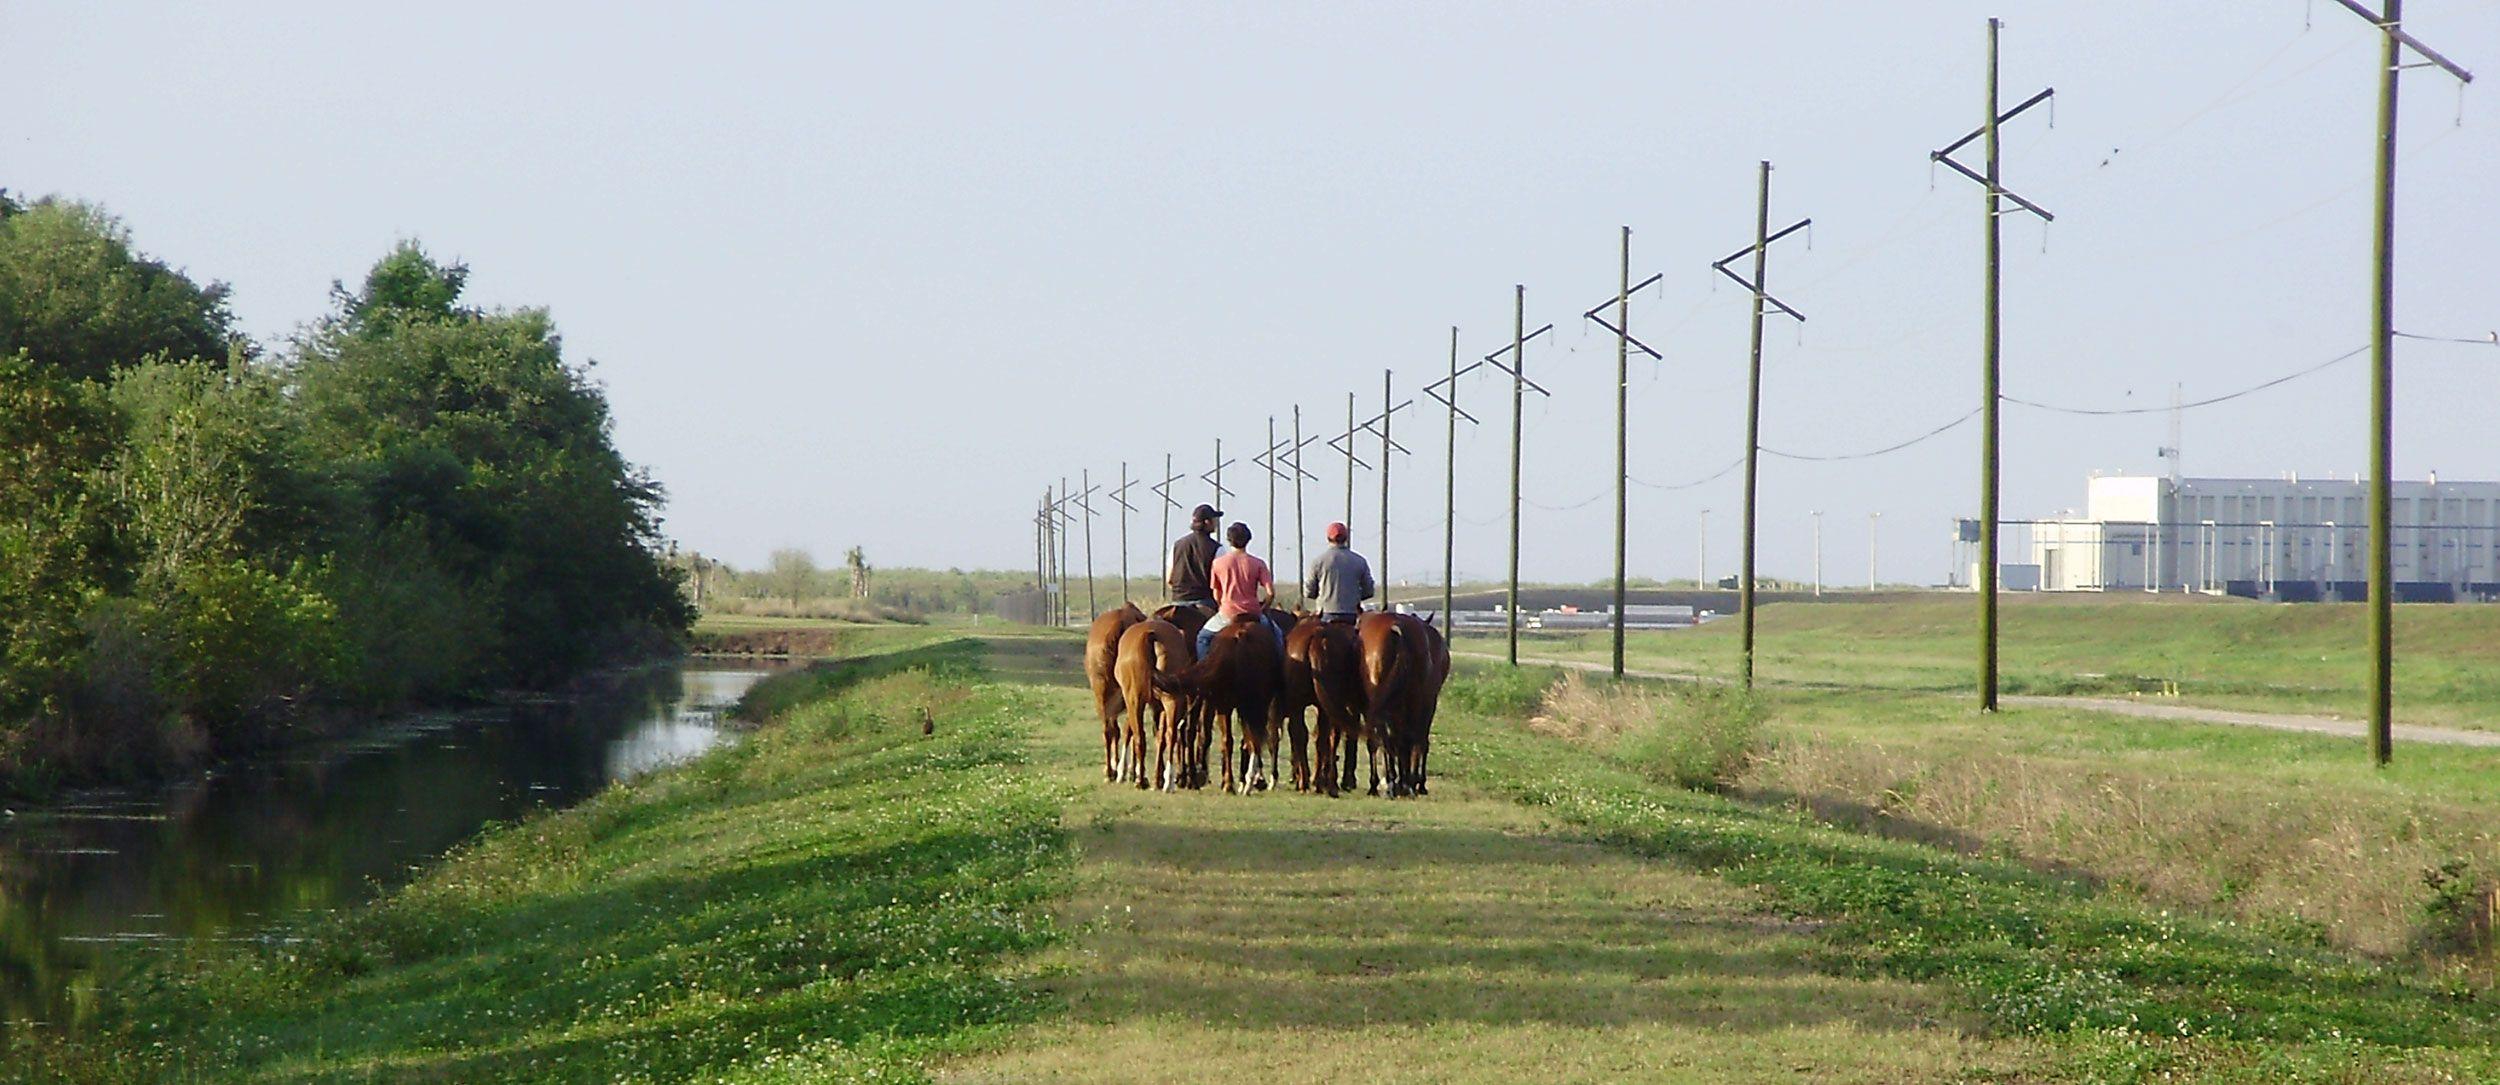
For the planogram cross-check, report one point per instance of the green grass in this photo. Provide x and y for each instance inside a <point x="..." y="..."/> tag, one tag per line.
<point x="1461" y="938"/>
<point x="2308" y="658"/>
<point x="839" y="898"/>
<point x="2126" y="989"/>
<point x="835" y="898"/>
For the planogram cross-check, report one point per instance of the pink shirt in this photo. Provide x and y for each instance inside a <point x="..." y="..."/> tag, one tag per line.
<point x="1237" y="577"/>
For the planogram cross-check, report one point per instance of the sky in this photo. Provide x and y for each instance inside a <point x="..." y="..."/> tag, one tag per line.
<point x="878" y="275"/>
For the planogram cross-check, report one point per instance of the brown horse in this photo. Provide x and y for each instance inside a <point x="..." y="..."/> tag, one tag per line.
<point x="1322" y="672"/>
<point x="1187" y="617"/>
<point x="1235" y="685"/>
<point x="1102" y="652"/>
<point x="1150" y="652"/>
<point x="1404" y="663"/>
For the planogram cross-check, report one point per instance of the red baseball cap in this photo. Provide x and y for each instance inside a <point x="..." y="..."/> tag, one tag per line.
<point x="1336" y="531"/>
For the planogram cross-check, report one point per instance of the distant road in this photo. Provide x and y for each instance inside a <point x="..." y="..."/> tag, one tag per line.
<point x="2273" y="721"/>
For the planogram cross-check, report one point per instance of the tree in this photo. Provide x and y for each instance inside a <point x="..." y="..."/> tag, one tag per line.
<point x="469" y="430"/>
<point x="75" y="297"/>
<point x="857" y="561"/>
<point x="55" y="436"/>
<point x="791" y="574"/>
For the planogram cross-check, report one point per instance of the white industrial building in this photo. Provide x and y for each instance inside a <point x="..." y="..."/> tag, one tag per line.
<point x="2287" y="538"/>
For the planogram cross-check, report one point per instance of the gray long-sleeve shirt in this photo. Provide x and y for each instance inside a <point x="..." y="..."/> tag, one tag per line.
<point x="1338" y="582"/>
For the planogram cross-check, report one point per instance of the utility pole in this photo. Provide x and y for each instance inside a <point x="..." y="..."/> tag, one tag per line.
<point x="1989" y="397"/>
<point x="1059" y="512"/>
<point x="1301" y="559"/>
<point x="1624" y="342"/>
<point x="1761" y="250"/>
<point x="1084" y="500"/>
<point x="1215" y="477"/>
<point x="2394" y="40"/>
<point x="1449" y="479"/>
<point x="1350" y="461"/>
<point x="1701" y="551"/>
<point x="1120" y="497"/>
<point x="1818" y="553"/>
<point x="1163" y="490"/>
<point x="1874" y="520"/>
<point x="1518" y="382"/>
<point x="1267" y="460"/>
<point x="1449" y="499"/>
<point x="1387" y="407"/>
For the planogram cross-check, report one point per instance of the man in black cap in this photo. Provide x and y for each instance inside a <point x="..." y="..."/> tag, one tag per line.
<point x="1193" y="557"/>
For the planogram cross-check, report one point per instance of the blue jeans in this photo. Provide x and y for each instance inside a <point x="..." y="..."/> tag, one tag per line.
<point x="1206" y="633"/>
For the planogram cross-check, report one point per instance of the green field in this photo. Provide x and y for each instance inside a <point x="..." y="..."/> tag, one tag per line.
<point x="2230" y="653"/>
<point x="840" y="898"/>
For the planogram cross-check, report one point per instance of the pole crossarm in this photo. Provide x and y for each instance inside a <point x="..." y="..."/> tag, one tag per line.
<point x="1946" y="156"/>
<point x="2396" y="31"/>
<point x="1751" y="286"/>
<point x="1119" y="495"/>
<point x="1596" y="313"/>
<point x="1278" y="460"/>
<point x="1433" y="390"/>
<point x="1376" y="423"/>
<point x="1208" y="476"/>
<point x="1495" y="360"/>
<point x="1163" y="490"/>
<point x="1343" y="443"/>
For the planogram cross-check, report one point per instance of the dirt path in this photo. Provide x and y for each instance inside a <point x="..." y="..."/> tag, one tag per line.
<point x="1457" y="938"/>
<point x="2273" y="721"/>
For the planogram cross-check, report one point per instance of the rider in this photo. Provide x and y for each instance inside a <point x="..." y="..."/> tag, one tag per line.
<point x="1193" y="556"/>
<point x="1243" y="588"/>
<point x="1339" y="579"/>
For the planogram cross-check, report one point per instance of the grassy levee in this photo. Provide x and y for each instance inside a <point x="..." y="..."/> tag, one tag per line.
<point x="2123" y="988"/>
<point x="835" y="898"/>
<point x="2229" y="653"/>
<point x="2294" y="833"/>
<point x="1460" y="938"/>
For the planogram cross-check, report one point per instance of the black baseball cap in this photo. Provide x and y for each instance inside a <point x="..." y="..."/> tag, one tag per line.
<point x="1205" y="512"/>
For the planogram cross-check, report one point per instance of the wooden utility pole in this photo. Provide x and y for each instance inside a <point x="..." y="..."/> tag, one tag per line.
<point x="1387" y="407"/>
<point x="1269" y="461"/>
<point x="1518" y="385"/>
<point x="1623" y="426"/>
<point x="1449" y="499"/>
<point x="1301" y="557"/>
<point x="1761" y="250"/>
<point x="1350" y="429"/>
<point x="1084" y="500"/>
<point x="1120" y="497"/>
<point x="1621" y="325"/>
<point x="1989" y="396"/>
<point x="2394" y="40"/>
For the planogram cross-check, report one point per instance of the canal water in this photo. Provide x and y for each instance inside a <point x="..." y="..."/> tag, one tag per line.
<point x="242" y="852"/>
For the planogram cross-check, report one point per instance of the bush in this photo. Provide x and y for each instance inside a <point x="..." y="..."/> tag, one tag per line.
<point x="1702" y="738"/>
<point x="1498" y="691"/>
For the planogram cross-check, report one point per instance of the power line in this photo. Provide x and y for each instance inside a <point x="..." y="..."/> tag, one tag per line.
<point x="1972" y="413"/>
<point x="2491" y="339"/>
<point x="1714" y="476"/>
<point x="2251" y="390"/>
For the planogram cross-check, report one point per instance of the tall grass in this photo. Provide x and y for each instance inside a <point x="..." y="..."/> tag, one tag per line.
<point x="1697" y="736"/>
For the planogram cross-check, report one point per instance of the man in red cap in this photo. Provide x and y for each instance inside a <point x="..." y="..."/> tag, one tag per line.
<point x="1339" y="579"/>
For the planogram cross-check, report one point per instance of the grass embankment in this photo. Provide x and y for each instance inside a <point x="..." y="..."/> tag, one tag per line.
<point x="2230" y="653"/>
<point x="854" y="897"/>
<point x="2122" y="987"/>
<point x="834" y="897"/>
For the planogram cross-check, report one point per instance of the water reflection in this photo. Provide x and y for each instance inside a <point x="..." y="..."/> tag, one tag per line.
<point x="228" y="855"/>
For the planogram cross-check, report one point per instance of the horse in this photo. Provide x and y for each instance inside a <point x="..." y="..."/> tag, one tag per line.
<point x="1322" y="672"/>
<point x="1102" y="653"/>
<point x="1404" y="663"/>
<point x="1150" y="651"/>
<point x="1235" y="685"/>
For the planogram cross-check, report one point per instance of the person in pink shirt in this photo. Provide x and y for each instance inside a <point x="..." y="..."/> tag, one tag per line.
<point x="1243" y="587"/>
